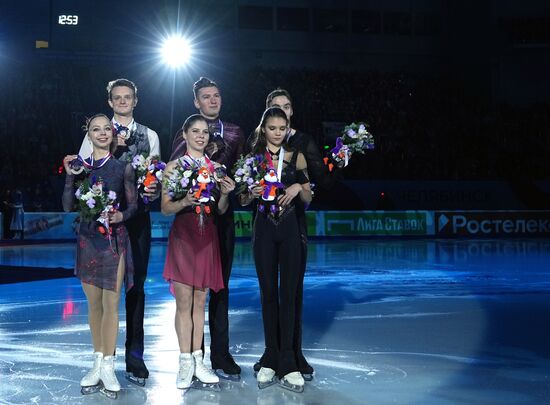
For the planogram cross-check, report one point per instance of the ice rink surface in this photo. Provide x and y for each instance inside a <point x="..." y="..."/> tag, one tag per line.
<point x="385" y="322"/>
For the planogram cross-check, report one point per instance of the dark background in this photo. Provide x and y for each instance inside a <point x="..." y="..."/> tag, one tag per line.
<point x="452" y="90"/>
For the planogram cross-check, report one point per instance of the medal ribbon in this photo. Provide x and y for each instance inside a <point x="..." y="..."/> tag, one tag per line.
<point x="100" y="163"/>
<point x="279" y="164"/>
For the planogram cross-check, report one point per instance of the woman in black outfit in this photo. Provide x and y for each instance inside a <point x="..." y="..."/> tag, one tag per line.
<point x="277" y="253"/>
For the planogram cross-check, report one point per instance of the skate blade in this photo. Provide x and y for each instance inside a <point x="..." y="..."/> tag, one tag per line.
<point x="135" y="380"/>
<point x="229" y="377"/>
<point x="308" y="377"/>
<point x="199" y="385"/>
<point x="109" y="394"/>
<point x="291" y="387"/>
<point x="262" y="385"/>
<point x="90" y="389"/>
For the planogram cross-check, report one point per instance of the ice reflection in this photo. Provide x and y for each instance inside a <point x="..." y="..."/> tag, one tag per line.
<point x="385" y="321"/>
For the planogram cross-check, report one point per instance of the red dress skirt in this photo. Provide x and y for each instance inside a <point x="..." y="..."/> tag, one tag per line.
<point x="193" y="256"/>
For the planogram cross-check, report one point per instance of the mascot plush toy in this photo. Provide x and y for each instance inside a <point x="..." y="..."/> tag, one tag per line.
<point x="202" y="188"/>
<point x="340" y="152"/>
<point x="271" y="185"/>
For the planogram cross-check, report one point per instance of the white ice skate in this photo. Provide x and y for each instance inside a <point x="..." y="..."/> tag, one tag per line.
<point x="266" y="377"/>
<point x="206" y="379"/>
<point x="90" y="382"/>
<point x="293" y="382"/>
<point x="111" y="387"/>
<point x="186" y="371"/>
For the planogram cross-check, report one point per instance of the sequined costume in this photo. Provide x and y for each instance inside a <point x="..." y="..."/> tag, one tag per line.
<point x="97" y="258"/>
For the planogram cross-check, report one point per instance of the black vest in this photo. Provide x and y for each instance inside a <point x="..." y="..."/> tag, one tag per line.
<point x="140" y="146"/>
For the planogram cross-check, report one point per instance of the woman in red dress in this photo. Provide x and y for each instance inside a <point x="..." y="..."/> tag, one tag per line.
<point x="193" y="258"/>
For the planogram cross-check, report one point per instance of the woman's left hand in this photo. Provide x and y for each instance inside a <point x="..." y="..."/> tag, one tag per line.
<point x="227" y="185"/>
<point x="289" y="195"/>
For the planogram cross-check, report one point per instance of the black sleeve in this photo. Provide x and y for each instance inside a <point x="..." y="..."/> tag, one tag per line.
<point x="319" y="172"/>
<point x="68" y="199"/>
<point x="130" y="191"/>
<point x="302" y="177"/>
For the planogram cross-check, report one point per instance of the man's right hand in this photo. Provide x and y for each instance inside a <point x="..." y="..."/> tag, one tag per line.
<point x="121" y="141"/>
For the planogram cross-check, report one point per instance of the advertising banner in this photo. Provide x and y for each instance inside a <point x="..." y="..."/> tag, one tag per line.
<point x="492" y="223"/>
<point x="373" y="223"/>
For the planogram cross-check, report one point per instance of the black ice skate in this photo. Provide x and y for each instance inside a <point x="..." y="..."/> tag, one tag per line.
<point x="136" y="371"/>
<point x="225" y="367"/>
<point x="306" y="370"/>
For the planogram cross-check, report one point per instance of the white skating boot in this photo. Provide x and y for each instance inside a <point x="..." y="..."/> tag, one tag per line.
<point x="293" y="382"/>
<point x="107" y="375"/>
<point x="265" y="377"/>
<point x="206" y="378"/>
<point x="186" y="371"/>
<point x="90" y="382"/>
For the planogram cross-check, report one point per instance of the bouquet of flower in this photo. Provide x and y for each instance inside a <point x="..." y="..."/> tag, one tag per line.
<point x="355" y="139"/>
<point x="249" y="171"/>
<point x="94" y="199"/>
<point x="148" y="171"/>
<point x="179" y="182"/>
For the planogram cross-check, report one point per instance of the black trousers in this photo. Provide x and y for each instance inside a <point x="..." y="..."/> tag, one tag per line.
<point x="300" y="359"/>
<point x="139" y="231"/>
<point x="218" y="306"/>
<point x="278" y="258"/>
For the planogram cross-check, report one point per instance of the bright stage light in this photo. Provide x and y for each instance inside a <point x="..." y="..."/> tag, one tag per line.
<point x="176" y="51"/>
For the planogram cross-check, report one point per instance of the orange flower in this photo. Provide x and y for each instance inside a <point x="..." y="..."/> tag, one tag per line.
<point x="149" y="179"/>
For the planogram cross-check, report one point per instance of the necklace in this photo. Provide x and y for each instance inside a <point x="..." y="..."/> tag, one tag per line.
<point x="274" y="155"/>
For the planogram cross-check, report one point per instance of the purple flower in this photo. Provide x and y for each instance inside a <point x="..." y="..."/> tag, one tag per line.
<point x="112" y="195"/>
<point x="239" y="172"/>
<point x="250" y="181"/>
<point x="90" y="203"/>
<point x="77" y="193"/>
<point x="352" y="133"/>
<point x="184" y="182"/>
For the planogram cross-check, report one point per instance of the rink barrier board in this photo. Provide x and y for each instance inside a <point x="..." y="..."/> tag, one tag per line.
<point x="62" y="226"/>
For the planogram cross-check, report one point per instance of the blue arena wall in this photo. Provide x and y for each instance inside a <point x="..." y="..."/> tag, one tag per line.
<point x="413" y="223"/>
